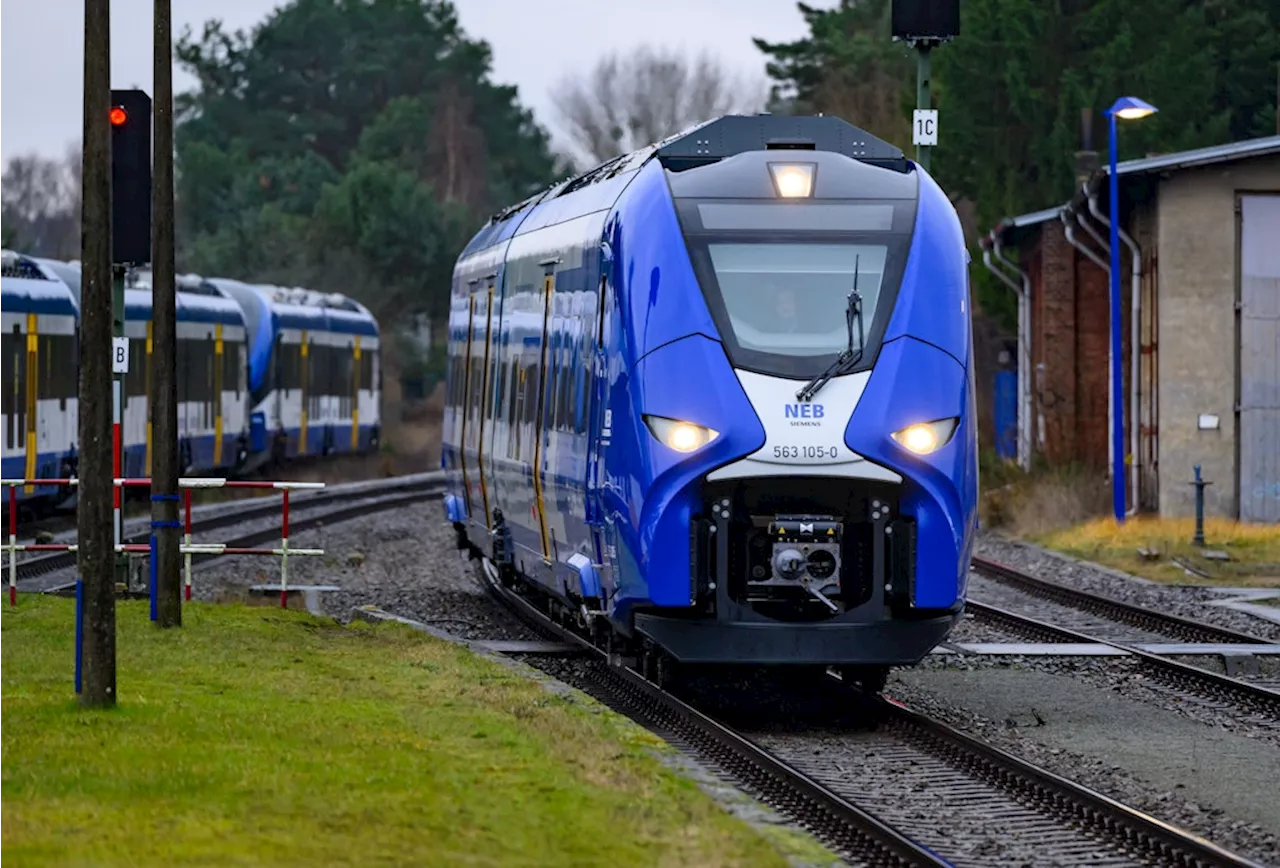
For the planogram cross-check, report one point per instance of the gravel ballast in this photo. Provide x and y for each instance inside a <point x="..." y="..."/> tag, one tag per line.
<point x="1188" y="601"/>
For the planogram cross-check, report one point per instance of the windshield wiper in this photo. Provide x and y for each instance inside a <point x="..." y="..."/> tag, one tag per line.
<point x="847" y="360"/>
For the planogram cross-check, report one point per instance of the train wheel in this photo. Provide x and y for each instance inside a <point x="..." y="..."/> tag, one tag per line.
<point x="869" y="679"/>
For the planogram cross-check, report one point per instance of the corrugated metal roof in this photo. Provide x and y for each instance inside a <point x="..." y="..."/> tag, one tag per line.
<point x="1232" y="151"/>
<point x="1200" y="156"/>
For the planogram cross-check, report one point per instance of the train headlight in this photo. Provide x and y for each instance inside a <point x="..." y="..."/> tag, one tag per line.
<point x="678" y="435"/>
<point x="925" y="437"/>
<point x="793" y="180"/>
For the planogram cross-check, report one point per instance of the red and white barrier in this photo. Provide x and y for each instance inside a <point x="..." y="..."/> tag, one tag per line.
<point x="187" y="548"/>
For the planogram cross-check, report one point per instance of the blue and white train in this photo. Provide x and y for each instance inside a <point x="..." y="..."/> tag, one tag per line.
<point x="714" y="400"/>
<point x="265" y="375"/>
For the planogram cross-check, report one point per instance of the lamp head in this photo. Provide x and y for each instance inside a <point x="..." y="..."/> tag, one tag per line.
<point x="1129" y="108"/>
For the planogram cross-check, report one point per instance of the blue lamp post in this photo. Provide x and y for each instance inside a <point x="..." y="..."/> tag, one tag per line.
<point x="1125" y="108"/>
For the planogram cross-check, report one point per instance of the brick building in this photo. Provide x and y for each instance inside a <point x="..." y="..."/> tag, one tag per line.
<point x="1200" y="299"/>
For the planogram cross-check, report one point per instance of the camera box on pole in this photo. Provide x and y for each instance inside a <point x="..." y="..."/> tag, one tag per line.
<point x="926" y="20"/>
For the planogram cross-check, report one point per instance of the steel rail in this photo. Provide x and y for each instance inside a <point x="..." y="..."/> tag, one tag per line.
<point x="1163" y="623"/>
<point x="1150" y="839"/>
<point x="1252" y="697"/>
<point x="376" y="498"/>
<point x="837" y="822"/>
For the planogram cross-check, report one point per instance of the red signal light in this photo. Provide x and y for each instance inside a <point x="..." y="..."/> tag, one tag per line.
<point x="118" y="116"/>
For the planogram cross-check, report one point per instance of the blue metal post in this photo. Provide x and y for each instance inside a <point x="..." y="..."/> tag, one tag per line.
<point x="154" y="602"/>
<point x="1117" y="380"/>
<point x="79" y="630"/>
<point x="1198" y="539"/>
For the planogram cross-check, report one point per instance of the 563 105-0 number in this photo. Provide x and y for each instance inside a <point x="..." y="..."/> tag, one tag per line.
<point x="806" y="452"/>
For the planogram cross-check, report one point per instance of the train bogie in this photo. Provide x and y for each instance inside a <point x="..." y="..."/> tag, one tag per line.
<point x="720" y="393"/>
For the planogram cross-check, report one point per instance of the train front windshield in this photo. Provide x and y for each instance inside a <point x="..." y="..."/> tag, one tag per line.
<point x="777" y="277"/>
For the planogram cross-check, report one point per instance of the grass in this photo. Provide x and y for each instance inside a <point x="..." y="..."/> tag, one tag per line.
<point x="1254" y="549"/>
<point x="256" y="736"/>
<point x="1068" y="509"/>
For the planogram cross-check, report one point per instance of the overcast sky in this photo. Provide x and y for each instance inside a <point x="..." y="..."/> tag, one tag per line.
<point x="534" y="42"/>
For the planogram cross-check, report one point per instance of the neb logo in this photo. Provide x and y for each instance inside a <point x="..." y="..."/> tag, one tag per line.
<point x="804" y="411"/>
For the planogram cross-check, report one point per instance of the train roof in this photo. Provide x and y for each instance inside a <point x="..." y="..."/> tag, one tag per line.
<point x="29" y="285"/>
<point x="699" y="145"/>
<point x="198" y="306"/>
<point x="299" y="308"/>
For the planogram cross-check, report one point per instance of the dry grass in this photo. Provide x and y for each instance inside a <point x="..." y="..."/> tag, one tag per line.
<point x="1026" y="505"/>
<point x="1069" y="510"/>
<point x="1254" y="549"/>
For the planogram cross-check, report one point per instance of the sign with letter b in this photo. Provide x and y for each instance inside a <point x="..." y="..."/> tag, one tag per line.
<point x="119" y="355"/>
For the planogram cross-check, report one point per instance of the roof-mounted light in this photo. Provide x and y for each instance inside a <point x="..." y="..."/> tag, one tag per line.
<point x="793" y="180"/>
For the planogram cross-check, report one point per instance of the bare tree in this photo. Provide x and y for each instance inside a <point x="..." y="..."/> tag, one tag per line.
<point x="40" y="204"/>
<point x="626" y="102"/>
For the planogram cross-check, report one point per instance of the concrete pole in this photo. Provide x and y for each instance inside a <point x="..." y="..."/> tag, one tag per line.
<point x="95" y="557"/>
<point x="923" y="72"/>
<point x="163" y="399"/>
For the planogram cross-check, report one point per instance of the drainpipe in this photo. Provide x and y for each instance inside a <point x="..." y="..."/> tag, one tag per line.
<point x="1068" y="227"/>
<point x="1022" y="289"/>
<point x="1135" y="336"/>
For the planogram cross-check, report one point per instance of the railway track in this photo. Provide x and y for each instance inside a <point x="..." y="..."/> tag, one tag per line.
<point x="1256" y="699"/>
<point x="1138" y="622"/>
<point x="859" y="808"/>
<point x="356" y="500"/>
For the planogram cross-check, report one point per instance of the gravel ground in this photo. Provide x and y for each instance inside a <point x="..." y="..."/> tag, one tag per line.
<point x="1215" y="784"/>
<point x="404" y="561"/>
<point x="1187" y="601"/>
<point x="401" y="560"/>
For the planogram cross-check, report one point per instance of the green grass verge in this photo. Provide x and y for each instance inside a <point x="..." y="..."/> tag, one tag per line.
<point x="257" y="736"/>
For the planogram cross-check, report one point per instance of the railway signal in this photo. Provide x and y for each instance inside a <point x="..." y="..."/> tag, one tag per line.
<point x="130" y="120"/>
<point x="130" y="117"/>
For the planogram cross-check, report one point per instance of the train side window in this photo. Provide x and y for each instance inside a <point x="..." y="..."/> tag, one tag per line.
<point x="600" y="304"/>
<point x="184" y="365"/>
<point x="513" y="423"/>
<point x="8" y="374"/>
<point x="563" y="391"/>
<point x="231" y="367"/>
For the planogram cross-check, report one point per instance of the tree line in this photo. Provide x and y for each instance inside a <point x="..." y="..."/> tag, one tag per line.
<point x="355" y="145"/>
<point x="1012" y="88"/>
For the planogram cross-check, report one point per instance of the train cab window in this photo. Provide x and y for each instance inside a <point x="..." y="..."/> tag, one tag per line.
<point x="777" y="277"/>
<point x="790" y="299"/>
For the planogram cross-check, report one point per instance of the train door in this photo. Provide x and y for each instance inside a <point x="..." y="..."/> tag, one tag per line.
<point x="485" y="406"/>
<point x="218" y="350"/>
<point x="278" y="369"/>
<point x="479" y="327"/>
<point x="304" y="370"/>
<point x="599" y="424"/>
<point x="31" y="415"/>
<point x="494" y="394"/>
<point x="539" y="427"/>
<point x="467" y="373"/>
<point x="354" y="390"/>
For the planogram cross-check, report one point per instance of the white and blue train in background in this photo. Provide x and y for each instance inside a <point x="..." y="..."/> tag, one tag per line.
<point x="266" y="375"/>
<point x="714" y="401"/>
